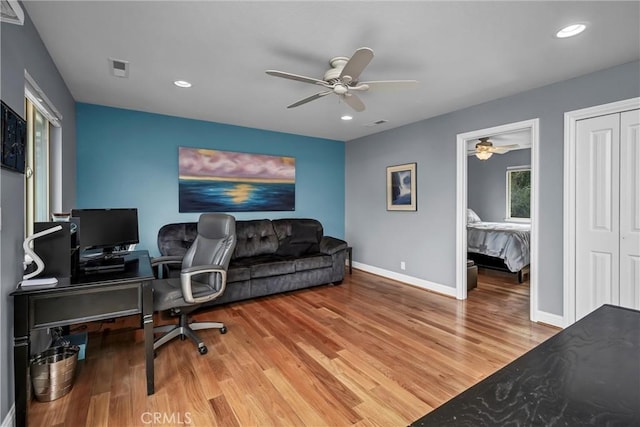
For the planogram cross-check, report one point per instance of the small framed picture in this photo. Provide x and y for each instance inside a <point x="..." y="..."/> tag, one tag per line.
<point x="401" y="188"/>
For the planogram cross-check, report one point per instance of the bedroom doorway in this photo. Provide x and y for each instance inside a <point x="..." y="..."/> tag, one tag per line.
<point x="470" y="139"/>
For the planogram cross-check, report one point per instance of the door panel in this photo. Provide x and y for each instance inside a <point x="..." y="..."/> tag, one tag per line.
<point x="601" y="184"/>
<point x="629" y="279"/>
<point x="630" y="209"/>
<point x="601" y="271"/>
<point x="597" y="208"/>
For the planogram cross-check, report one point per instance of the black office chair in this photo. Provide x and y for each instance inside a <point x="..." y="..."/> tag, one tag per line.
<point x="203" y="278"/>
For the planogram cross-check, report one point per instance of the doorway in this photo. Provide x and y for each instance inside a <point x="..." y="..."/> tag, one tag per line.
<point x="463" y="140"/>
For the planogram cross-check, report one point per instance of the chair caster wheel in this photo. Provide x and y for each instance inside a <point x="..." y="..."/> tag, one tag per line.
<point x="203" y="349"/>
<point x="223" y="330"/>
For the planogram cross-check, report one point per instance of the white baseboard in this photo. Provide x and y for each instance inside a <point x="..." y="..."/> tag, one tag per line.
<point x="414" y="281"/>
<point x="549" y="319"/>
<point x="10" y="419"/>
<point x="541" y="316"/>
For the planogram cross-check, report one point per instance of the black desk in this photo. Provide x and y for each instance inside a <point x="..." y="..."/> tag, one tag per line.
<point x="82" y="299"/>
<point x="588" y="374"/>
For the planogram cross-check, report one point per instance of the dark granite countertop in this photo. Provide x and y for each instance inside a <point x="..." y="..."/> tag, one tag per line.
<point x="587" y="374"/>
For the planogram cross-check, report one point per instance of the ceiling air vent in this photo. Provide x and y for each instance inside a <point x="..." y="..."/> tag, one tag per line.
<point x="10" y="11"/>
<point x="377" y="122"/>
<point x="118" y="67"/>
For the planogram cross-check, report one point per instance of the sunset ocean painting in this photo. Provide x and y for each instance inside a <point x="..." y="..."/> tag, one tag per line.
<point x="227" y="181"/>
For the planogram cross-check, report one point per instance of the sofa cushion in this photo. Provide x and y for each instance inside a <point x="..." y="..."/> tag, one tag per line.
<point x="273" y="268"/>
<point x="312" y="262"/>
<point x="238" y="274"/>
<point x="255" y="237"/>
<point x="298" y="237"/>
<point x="263" y="265"/>
<point x="303" y="233"/>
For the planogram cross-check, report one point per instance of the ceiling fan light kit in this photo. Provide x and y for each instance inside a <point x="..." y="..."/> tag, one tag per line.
<point x="485" y="149"/>
<point x="342" y="80"/>
<point x="483" y="155"/>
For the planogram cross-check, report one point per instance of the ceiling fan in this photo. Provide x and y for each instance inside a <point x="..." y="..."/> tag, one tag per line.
<point x="485" y="149"/>
<point x="342" y="79"/>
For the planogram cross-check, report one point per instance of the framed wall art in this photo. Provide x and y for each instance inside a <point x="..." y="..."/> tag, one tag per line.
<point x="401" y="188"/>
<point x="228" y="181"/>
<point x="13" y="133"/>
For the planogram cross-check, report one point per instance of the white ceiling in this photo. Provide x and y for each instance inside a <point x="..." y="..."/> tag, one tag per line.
<point x="463" y="53"/>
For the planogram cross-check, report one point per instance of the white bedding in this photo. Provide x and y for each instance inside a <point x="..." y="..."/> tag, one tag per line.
<point x="505" y="240"/>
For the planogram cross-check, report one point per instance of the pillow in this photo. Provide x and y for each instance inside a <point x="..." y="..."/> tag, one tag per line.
<point x="472" y="216"/>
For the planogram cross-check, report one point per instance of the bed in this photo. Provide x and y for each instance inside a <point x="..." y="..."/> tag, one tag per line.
<point x="499" y="245"/>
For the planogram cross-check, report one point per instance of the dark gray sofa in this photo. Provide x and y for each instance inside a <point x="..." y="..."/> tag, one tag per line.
<point x="271" y="256"/>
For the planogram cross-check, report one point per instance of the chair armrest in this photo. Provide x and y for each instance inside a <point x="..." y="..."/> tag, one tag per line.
<point x="330" y="245"/>
<point x="185" y="281"/>
<point x="158" y="264"/>
<point x="163" y="260"/>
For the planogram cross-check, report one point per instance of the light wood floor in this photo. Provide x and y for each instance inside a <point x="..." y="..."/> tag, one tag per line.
<point x="370" y="352"/>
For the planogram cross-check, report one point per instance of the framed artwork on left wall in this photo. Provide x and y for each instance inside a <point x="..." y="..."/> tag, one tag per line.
<point x="401" y="188"/>
<point x="13" y="133"/>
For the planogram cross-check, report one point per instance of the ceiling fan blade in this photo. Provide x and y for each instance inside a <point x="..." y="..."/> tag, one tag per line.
<point x="310" y="98"/>
<point x="503" y="148"/>
<point x="358" y="61"/>
<point x="296" y="77"/>
<point x="385" y="85"/>
<point x="353" y="101"/>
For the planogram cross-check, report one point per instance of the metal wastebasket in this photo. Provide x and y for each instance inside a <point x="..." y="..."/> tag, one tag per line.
<point x="52" y="372"/>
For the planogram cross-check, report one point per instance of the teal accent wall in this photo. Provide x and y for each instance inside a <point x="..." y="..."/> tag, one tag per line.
<point x="129" y="158"/>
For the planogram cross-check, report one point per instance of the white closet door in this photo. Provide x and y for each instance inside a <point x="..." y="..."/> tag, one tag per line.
<point x="630" y="209"/>
<point x="597" y="213"/>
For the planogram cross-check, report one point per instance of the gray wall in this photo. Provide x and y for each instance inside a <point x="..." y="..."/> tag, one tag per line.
<point x="21" y="48"/>
<point x="426" y="239"/>
<point x="486" y="183"/>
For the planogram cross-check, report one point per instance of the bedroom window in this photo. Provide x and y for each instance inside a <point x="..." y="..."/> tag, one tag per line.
<point x="519" y="193"/>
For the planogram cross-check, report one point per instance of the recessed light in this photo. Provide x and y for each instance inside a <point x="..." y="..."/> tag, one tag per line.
<point x="182" y="83"/>
<point x="346" y="117"/>
<point x="570" y="31"/>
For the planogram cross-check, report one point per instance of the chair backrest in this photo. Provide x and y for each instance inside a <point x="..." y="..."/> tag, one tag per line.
<point x="214" y="243"/>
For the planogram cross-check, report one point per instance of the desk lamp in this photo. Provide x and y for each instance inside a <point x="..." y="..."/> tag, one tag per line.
<point x="39" y="263"/>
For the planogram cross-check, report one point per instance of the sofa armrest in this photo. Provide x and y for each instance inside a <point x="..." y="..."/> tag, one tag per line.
<point x="330" y="245"/>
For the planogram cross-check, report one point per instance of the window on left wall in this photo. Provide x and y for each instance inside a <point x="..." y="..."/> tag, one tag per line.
<point x="37" y="167"/>
<point x="43" y="169"/>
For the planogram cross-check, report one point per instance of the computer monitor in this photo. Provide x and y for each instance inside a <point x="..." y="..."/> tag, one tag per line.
<point x="107" y="229"/>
